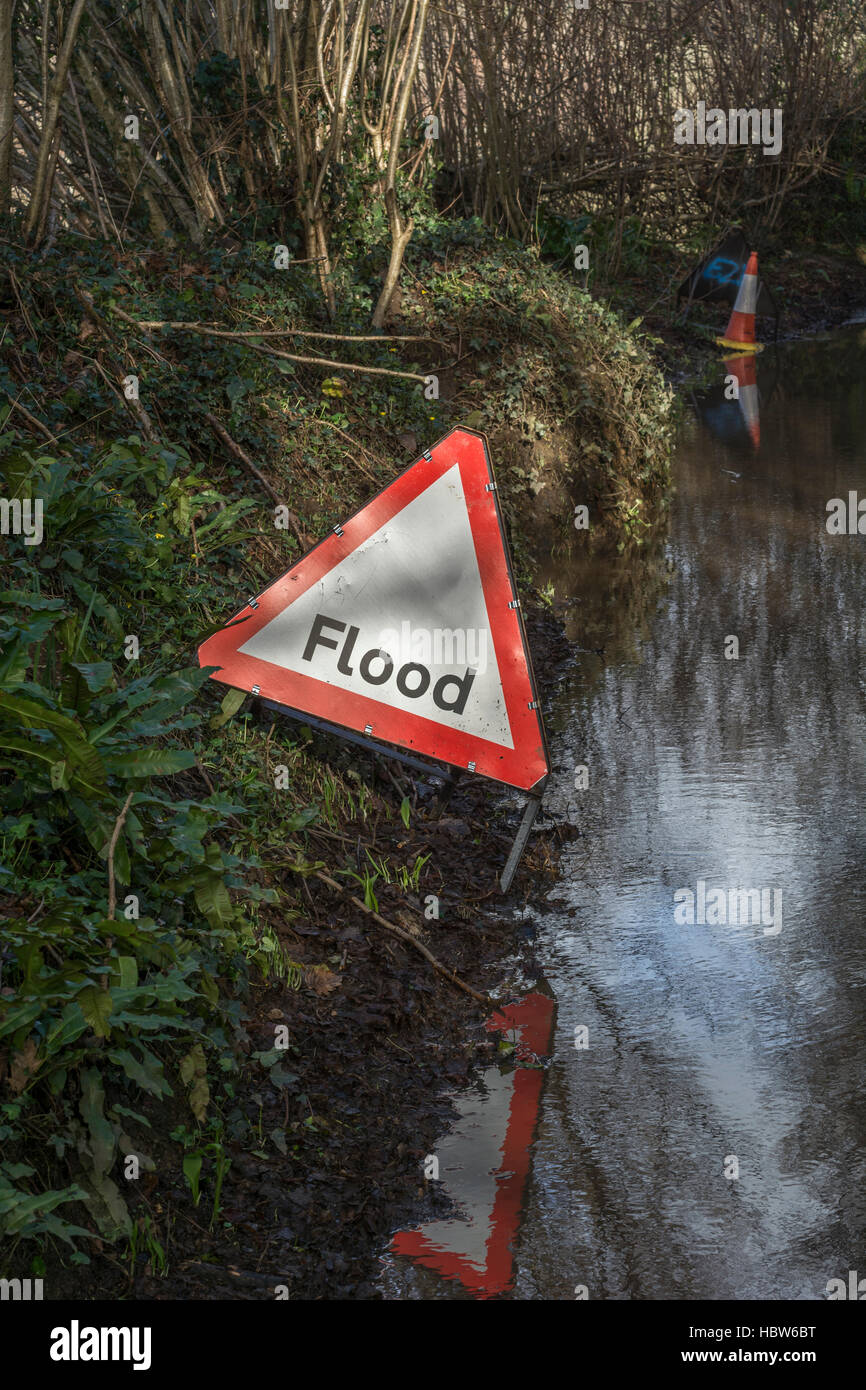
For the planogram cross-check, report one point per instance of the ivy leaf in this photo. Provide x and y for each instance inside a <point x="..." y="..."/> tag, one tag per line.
<point x="278" y="1076"/>
<point x="236" y="388"/>
<point x="209" y="987"/>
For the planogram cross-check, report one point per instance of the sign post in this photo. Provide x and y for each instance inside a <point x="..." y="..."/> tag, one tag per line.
<point x="531" y="810"/>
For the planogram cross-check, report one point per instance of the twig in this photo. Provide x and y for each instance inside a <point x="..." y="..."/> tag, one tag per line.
<point x="268" y="352"/>
<point x="199" y="326"/>
<point x="401" y="791"/>
<point x="405" y="936"/>
<point x="43" y="429"/>
<point x="234" y="448"/>
<point x="208" y="783"/>
<point x="330" y="362"/>
<point x="97" y="202"/>
<point x="115" y="835"/>
<point x="21" y="305"/>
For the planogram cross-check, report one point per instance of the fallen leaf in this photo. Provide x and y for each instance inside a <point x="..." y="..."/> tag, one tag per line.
<point x="321" y="980"/>
<point x="408" y="922"/>
<point x="24" y="1064"/>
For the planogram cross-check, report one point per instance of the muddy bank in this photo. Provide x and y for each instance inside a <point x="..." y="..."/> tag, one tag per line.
<point x="375" y="1041"/>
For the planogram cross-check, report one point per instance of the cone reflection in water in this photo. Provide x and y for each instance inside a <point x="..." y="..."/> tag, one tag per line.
<point x="740" y="332"/>
<point x="742" y="366"/>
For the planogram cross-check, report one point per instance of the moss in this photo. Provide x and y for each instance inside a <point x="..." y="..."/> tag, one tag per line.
<point x="572" y="401"/>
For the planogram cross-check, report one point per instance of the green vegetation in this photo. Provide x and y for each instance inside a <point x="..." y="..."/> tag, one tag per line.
<point x="148" y="865"/>
<point x="233" y="307"/>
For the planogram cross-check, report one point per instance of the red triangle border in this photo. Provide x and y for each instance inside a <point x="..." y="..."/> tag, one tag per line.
<point x="524" y="766"/>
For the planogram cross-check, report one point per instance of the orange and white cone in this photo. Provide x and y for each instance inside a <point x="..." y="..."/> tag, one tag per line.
<point x="740" y="332"/>
<point x="742" y="368"/>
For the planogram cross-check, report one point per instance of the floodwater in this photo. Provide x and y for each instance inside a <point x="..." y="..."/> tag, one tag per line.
<point x="701" y="1124"/>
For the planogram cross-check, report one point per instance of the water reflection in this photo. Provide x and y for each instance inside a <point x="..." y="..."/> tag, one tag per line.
<point x="706" y="1042"/>
<point x="712" y="1049"/>
<point x="483" y="1162"/>
<point x="732" y="410"/>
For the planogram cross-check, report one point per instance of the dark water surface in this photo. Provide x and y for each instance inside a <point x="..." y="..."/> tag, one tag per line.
<point x="716" y="1045"/>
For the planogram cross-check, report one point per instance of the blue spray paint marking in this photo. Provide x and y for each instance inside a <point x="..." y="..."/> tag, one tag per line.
<point x="723" y="271"/>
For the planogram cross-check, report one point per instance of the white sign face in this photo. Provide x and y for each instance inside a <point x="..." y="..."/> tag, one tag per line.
<point x="402" y="619"/>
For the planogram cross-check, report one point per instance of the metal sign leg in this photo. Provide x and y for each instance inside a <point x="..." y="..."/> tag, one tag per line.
<point x="533" y="806"/>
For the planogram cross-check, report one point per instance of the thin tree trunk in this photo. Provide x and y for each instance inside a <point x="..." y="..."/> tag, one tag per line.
<point x="7" y="104"/>
<point x="401" y="232"/>
<point x="41" y="191"/>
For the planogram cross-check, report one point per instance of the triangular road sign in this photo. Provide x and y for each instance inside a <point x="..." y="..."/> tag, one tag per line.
<point x="716" y="278"/>
<point x="404" y="625"/>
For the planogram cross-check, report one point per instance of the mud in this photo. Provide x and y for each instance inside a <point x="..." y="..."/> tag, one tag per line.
<point x="375" y="1043"/>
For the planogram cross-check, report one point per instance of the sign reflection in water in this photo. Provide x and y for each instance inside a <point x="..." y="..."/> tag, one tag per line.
<point x="484" y="1161"/>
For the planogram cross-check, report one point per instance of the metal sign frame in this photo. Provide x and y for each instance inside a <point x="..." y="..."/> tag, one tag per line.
<point x="384" y="750"/>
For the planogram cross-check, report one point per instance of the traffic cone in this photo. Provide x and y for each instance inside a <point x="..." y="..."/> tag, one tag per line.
<point x="740" y="332"/>
<point x="742" y="368"/>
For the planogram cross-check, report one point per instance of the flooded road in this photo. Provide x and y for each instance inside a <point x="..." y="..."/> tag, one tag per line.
<point x="702" y="1121"/>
